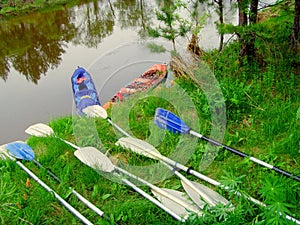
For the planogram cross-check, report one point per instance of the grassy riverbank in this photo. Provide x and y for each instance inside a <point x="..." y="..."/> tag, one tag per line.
<point x="9" y="8"/>
<point x="263" y="121"/>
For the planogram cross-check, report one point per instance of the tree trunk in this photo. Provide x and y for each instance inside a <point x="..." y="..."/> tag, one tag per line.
<point x="253" y="11"/>
<point x="248" y="41"/>
<point x="252" y="36"/>
<point x="295" y="35"/>
<point x="221" y="19"/>
<point x="242" y="5"/>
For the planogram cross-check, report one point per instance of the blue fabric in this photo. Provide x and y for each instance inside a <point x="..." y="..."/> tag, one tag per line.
<point x="84" y="90"/>
<point x="20" y="150"/>
<point x="165" y="119"/>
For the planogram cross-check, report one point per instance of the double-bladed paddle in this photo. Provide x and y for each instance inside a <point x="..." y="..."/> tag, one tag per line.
<point x="23" y="151"/>
<point x="183" y="168"/>
<point x="165" y="119"/>
<point x="28" y="154"/>
<point x="171" y="203"/>
<point x="195" y="190"/>
<point x="148" y="150"/>
<point x="179" y="209"/>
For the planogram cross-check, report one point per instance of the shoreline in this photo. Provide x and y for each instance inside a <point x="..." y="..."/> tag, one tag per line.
<point x="18" y="8"/>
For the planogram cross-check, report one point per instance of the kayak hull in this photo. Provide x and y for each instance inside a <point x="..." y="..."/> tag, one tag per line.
<point x="84" y="90"/>
<point x="85" y="93"/>
<point x="149" y="79"/>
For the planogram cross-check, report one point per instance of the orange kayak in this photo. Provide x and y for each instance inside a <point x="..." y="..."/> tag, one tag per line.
<point x="149" y="79"/>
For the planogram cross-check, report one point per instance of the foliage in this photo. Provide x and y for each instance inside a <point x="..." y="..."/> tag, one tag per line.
<point x="173" y="25"/>
<point x="179" y="19"/>
<point x="10" y="8"/>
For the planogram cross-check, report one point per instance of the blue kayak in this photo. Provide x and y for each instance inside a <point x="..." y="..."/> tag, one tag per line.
<point x="84" y="90"/>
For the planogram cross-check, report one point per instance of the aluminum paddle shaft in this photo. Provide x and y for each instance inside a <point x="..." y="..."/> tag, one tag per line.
<point x="20" y="150"/>
<point x="45" y="186"/>
<point x="79" y="196"/>
<point x="192" y="188"/>
<point x="208" y="179"/>
<point x="95" y="159"/>
<point x="167" y="120"/>
<point x="244" y="155"/>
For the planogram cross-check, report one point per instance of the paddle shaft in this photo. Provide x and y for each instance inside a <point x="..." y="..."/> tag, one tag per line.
<point x="210" y="180"/>
<point x="201" y="176"/>
<point x="45" y="186"/>
<point x="196" y="174"/>
<point x="149" y="197"/>
<point x="79" y="196"/>
<point x="205" y="197"/>
<point x="244" y="155"/>
<point x="118" y="128"/>
<point x="160" y="191"/>
<point x="131" y="184"/>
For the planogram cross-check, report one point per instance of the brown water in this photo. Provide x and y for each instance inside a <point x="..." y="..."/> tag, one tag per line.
<point x="39" y="52"/>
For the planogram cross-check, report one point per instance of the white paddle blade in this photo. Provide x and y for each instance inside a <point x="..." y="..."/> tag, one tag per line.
<point x="95" y="159"/>
<point x="173" y="205"/>
<point x="216" y="197"/>
<point x="95" y="111"/>
<point x="138" y="146"/>
<point x="39" y="130"/>
<point x="195" y="196"/>
<point x="2" y="153"/>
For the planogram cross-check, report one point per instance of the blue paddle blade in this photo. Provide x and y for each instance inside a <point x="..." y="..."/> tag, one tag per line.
<point x="165" y="119"/>
<point x="20" y="150"/>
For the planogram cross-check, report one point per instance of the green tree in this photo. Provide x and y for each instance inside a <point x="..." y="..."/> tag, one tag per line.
<point x="295" y="35"/>
<point x="196" y="22"/>
<point x="172" y="25"/>
<point x="247" y="16"/>
<point x="221" y="20"/>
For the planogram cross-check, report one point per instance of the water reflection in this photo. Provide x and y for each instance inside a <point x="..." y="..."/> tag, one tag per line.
<point x="33" y="44"/>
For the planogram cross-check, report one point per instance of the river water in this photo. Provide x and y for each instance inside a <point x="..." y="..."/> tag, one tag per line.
<point x="40" y="51"/>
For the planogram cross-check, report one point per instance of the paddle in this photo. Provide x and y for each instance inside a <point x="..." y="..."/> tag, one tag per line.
<point x="90" y="112"/>
<point x="148" y="150"/>
<point x="195" y="190"/>
<point x="4" y="152"/>
<point x="165" y="119"/>
<point x="42" y="130"/>
<point x="202" y="177"/>
<point x="98" y="161"/>
<point x="95" y="111"/>
<point x="21" y="150"/>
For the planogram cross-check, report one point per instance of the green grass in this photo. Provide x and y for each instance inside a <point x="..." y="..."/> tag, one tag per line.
<point x="12" y="8"/>
<point x="251" y="131"/>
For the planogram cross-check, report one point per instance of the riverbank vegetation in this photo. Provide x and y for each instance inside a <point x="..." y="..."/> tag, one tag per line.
<point x="11" y="8"/>
<point x="258" y="75"/>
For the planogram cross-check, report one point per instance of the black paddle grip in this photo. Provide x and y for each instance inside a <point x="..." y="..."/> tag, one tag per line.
<point x="235" y="151"/>
<point x="285" y="173"/>
<point x="189" y="170"/>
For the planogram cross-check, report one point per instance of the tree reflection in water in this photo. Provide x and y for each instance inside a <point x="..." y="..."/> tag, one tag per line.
<point x="35" y="43"/>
